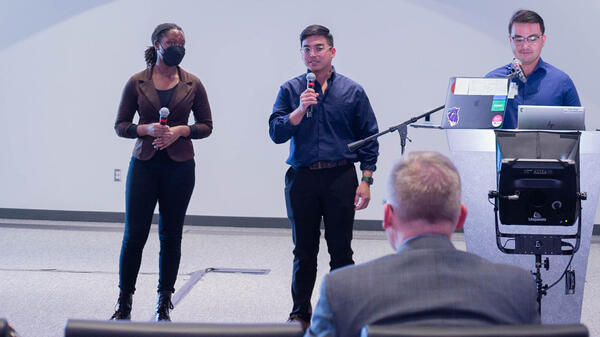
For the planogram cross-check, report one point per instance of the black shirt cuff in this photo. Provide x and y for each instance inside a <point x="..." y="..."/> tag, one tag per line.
<point x="193" y="132"/>
<point x="132" y="131"/>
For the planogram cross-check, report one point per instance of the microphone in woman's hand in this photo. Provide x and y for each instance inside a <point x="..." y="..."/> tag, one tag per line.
<point x="164" y="113"/>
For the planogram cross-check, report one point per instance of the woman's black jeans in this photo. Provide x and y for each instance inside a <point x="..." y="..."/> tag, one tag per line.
<point x="171" y="184"/>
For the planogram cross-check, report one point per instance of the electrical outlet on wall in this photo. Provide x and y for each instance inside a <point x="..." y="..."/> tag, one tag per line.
<point x="117" y="175"/>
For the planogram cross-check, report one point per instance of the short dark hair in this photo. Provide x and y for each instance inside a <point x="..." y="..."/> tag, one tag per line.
<point x="319" y="30"/>
<point x="526" y="16"/>
<point x="157" y="34"/>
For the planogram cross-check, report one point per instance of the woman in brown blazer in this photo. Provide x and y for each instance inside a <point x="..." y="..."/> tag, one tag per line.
<point x="162" y="168"/>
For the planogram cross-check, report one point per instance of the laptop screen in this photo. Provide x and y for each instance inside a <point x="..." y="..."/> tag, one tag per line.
<point x="542" y="117"/>
<point x="475" y="103"/>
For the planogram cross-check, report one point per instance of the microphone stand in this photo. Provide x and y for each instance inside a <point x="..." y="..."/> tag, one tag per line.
<point x="401" y="128"/>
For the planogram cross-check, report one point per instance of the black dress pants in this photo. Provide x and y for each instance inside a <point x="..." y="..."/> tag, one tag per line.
<point x="312" y="195"/>
<point x="171" y="184"/>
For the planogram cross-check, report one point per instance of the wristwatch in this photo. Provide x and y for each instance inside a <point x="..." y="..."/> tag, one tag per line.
<point x="369" y="180"/>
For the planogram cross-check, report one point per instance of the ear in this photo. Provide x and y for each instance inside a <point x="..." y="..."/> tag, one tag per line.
<point x="388" y="216"/>
<point x="462" y="216"/>
<point x="543" y="40"/>
<point x="332" y="52"/>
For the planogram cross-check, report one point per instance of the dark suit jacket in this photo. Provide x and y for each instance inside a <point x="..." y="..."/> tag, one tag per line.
<point x="140" y="95"/>
<point x="427" y="282"/>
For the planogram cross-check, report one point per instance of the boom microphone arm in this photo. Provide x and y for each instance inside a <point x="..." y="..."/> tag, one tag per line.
<point x="400" y="127"/>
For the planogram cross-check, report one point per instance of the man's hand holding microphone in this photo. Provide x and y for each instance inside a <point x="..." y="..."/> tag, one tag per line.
<point x="308" y="98"/>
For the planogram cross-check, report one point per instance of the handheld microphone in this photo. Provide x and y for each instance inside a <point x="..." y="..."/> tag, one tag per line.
<point x="310" y="84"/>
<point x="517" y="70"/>
<point x="163" y="113"/>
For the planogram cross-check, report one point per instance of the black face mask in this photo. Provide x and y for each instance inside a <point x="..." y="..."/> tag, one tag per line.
<point x="173" y="55"/>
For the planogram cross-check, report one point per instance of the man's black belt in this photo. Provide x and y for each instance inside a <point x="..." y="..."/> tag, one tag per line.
<point x="323" y="164"/>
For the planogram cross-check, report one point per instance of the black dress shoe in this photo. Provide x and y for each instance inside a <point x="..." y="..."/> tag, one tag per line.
<point x="163" y="306"/>
<point x="123" y="307"/>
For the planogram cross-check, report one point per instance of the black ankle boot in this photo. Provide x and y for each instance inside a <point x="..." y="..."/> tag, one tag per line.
<point x="163" y="306"/>
<point x="123" y="307"/>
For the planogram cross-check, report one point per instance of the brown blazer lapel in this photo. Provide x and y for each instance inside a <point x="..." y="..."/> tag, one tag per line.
<point x="149" y="91"/>
<point x="183" y="89"/>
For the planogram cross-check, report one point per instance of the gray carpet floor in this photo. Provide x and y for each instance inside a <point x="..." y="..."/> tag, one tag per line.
<point x="51" y="271"/>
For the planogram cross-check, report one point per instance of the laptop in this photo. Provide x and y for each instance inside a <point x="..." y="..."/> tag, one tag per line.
<point x="475" y="103"/>
<point x="542" y="117"/>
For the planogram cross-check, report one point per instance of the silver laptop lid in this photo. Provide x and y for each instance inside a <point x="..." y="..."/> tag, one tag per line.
<point x="475" y="103"/>
<point x="542" y="117"/>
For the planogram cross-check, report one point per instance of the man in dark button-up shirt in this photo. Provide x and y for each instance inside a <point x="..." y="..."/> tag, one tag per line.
<point x="322" y="182"/>
<point x="546" y="85"/>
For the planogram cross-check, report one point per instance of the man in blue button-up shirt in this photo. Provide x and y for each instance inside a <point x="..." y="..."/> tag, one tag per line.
<point x="322" y="182"/>
<point x="546" y="85"/>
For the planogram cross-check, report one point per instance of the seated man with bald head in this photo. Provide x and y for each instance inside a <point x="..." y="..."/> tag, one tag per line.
<point x="427" y="281"/>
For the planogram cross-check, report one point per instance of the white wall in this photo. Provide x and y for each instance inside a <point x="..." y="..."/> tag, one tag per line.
<point x="64" y="64"/>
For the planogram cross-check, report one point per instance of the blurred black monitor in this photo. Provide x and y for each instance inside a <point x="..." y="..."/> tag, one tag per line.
<point x="538" y="192"/>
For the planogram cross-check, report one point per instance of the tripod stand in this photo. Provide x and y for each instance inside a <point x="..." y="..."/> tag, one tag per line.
<point x="536" y="244"/>
<point x="540" y="287"/>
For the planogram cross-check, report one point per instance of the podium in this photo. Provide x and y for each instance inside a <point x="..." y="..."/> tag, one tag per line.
<point x="474" y="153"/>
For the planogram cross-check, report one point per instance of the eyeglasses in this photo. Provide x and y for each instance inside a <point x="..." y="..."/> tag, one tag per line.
<point x="317" y="50"/>
<point x="518" y="39"/>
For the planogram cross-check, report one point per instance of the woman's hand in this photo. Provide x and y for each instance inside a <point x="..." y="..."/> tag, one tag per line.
<point x="153" y="130"/>
<point x="170" y="136"/>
